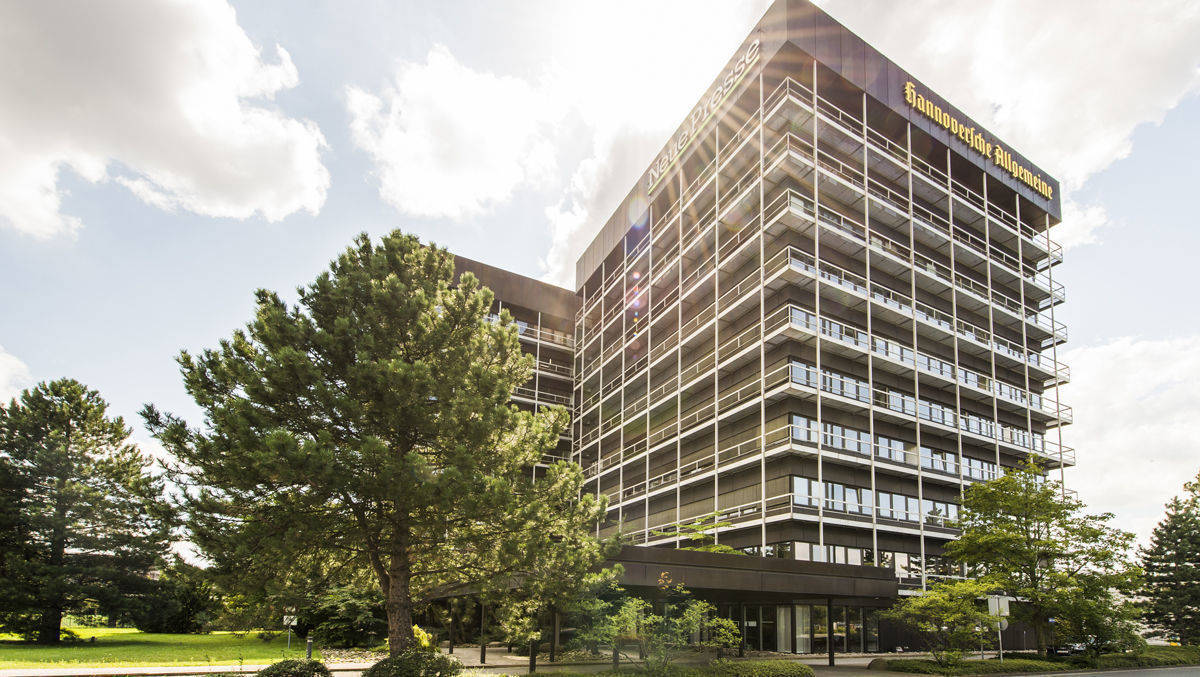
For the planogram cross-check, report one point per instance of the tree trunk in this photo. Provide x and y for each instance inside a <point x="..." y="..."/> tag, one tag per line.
<point x="1039" y="634"/>
<point x="399" y="600"/>
<point x="50" y="626"/>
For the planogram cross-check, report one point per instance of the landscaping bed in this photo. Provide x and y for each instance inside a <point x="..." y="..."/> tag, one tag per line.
<point x="1152" y="657"/>
<point x="719" y="668"/>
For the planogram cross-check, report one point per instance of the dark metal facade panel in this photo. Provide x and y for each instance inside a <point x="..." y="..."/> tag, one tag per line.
<point x="764" y="578"/>
<point x="520" y="290"/>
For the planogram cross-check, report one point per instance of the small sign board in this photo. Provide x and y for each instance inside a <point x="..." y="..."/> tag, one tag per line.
<point x="289" y="621"/>
<point x="998" y="605"/>
<point x="1003" y="624"/>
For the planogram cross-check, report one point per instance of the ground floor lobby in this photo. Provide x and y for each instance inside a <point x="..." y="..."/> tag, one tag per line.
<point x="806" y="628"/>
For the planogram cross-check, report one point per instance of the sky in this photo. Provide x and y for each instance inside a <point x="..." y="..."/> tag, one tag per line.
<point x="159" y="161"/>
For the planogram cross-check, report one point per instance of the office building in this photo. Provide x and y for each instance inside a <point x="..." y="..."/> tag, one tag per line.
<point x="826" y="308"/>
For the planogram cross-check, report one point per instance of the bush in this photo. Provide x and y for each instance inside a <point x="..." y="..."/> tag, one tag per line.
<point x="775" y="668"/>
<point x="182" y="601"/>
<point x="974" y="667"/>
<point x="1155" y="656"/>
<point x="1151" y="657"/>
<point x="345" y="617"/>
<point x="295" y="668"/>
<point x="718" y="668"/>
<point x="416" y="663"/>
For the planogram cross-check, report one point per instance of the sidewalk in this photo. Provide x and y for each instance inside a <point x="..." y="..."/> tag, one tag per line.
<point x="499" y="661"/>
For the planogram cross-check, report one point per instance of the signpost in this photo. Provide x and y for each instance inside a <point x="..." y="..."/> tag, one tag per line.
<point x="289" y="622"/>
<point x="998" y="606"/>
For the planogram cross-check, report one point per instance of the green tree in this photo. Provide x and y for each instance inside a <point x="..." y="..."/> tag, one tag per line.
<point x="588" y="614"/>
<point x="369" y="426"/>
<point x="16" y="548"/>
<point x="700" y="534"/>
<point x="662" y="635"/>
<point x="346" y="617"/>
<point x="93" y="516"/>
<point x="1093" y="615"/>
<point x="542" y="590"/>
<point x="1172" y="564"/>
<point x="182" y="600"/>
<point x="1035" y="542"/>
<point x="948" y="617"/>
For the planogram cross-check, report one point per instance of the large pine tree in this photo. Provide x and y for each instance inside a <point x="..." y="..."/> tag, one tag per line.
<point x="369" y="428"/>
<point x="1172" y="564"/>
<point x="82" y="518"/>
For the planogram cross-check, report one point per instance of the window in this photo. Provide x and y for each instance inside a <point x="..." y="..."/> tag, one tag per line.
<point x="859" y="500"/>
<point x="804" y="429"/>
<point x="893" y="449"/>
<point x="847" y="439"/>
<point x="884" y="499"/>
<point x="939" y="513"/>
<point x="805" y="492"/>
<point x="934" y="459"/>
<point x="979" y="469"/>
<point x="835" y="496"/>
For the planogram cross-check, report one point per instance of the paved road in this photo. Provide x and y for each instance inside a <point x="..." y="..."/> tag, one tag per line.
<point x="501" y="663"/>
<point x="1186" y="671"/>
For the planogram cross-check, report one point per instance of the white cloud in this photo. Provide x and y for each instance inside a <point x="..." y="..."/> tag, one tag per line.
<point x="1069" y="98"/>
<point x="14" y="376"/>
<point x="1064" y="82"/>
<point x="1136" y="404"/>
<point x="1080" y="223"/>
<point x="450" y="141"/>
<point x="169" y="99"/>
<point x="630" y="99"/>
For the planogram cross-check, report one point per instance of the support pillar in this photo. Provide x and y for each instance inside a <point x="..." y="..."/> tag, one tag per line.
<point x="742" y="644"/>
<point x="554" y="639"/>
<point x="829" y="628"/>
<point x="795" y="631"/>
<point x="450" y="635"/>
<point x="482" y="634"/>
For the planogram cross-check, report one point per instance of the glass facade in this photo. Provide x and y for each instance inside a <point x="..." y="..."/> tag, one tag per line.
<point x="805" y="628"/>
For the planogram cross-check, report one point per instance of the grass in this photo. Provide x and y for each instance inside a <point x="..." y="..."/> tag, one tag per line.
<point x="1155" y="656"/>
<point x="129" y="648"/>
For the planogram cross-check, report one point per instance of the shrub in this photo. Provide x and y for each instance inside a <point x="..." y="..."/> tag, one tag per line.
<point x="345" y="617"/>
<point x="976" y="667"/>
<point x="416" y="663"/>
<point x="775" y="668"/>
<point x="295" y="668"/>
<point x="182" y="601"/>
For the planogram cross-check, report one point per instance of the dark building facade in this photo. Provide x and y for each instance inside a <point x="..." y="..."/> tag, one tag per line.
<point x="826" y="308"/>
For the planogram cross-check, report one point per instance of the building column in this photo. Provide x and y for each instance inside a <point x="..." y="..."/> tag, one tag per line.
<point x="829" y="628"/>
<point x="482" y="636"/>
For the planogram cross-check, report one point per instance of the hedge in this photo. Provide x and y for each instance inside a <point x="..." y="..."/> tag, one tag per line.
<point x="1152" y="657"/>
<point x="719" y="668"/>
<point x="759" y="668"/>
<point x="295" y="668"/>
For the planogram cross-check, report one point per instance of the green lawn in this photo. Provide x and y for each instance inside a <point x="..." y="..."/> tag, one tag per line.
<point x="130" y="648"/>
